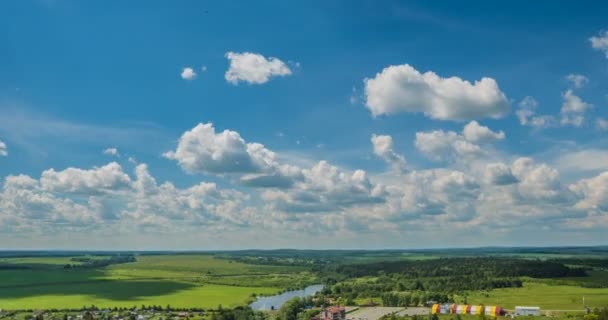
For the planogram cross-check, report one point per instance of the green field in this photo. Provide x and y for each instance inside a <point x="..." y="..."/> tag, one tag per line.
<point x="546" y="296"/>
<point x="177" y="280"/>
<point x="231" y="279"/>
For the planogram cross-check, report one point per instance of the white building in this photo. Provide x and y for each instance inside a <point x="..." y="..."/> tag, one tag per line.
<point x="527" y="311"/>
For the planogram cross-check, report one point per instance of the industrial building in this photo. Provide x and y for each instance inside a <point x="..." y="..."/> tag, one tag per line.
<point x="492" y="311"/>
<point x="527" y="311"/>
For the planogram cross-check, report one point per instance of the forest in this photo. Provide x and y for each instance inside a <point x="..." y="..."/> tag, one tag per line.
<point x="411" y="283"/>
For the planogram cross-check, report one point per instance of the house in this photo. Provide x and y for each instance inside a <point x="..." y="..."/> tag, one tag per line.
<point x="527" y="311"/>
<point x="333" y="313"/>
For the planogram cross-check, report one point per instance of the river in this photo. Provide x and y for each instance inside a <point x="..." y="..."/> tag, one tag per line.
<point x="276" y="301"/>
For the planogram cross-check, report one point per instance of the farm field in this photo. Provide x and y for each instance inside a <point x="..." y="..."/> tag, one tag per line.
<point x="178" y="280"/>
<point x="546" y="296"/>
<point x="232" y="279"/>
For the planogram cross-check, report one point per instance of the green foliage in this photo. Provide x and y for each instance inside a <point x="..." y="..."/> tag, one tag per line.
<point x="239" y="313"/>
<point x="293" y="309"/>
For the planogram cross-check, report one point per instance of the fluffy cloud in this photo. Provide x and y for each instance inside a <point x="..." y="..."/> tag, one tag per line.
<point x="600" y="42"/>
<point x="383" y="148"/>
<point x="111" y="152"/>
<point x="254" y="68"/>
<point x="402" y="88"/>
<point x="538" y="181"/>
<point x="435" y="196"/>
<point x="326" y="188"/>
<point x="188" y="74"/>
<point x="106" y="178"/>
<point x="573" y="109"/>
<point x="593" y="193"/>
<point x="601" y="124"/>
<point x="3" y="151"/>
<point x="527" y="115"/>
<point x="203" y="150"/>
<point x="583" y="160"/>
<point x="577" y="80"/>
<point x="88" y="199"/>
<point x="27" y="202"/>
<point x="481" y="134"/>
<point x="499" y="174"/>
<point x="203" y="203"/>
<point x="442" y="145"/>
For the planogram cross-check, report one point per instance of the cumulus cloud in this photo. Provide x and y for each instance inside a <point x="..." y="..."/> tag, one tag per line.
<point x="111" y="152"/>
<point x="442" y="145"/>
<point x="577" y="80"/>
<point x="573" y="109"/>
<point x="3" y="149"/>
<point x="100" y="179"/>
<point x="601" y="124"/>
<point x="87" y="199"/>
<point x="383" y="148"/>
<point x="499" y="174"/>
<point x="477" y="133"/>
<point x="600" y="42"/>
<point x="203" y="203"/>
<point x="326" y="188"/>
<point x="537" y="181"/>
<point x="402" y="88"/>
<point x="23" y="199"/>
<point x="188" y="73"/>
<point x="254" y="68"/>
<point x="527" y="114"/>
<point x="583" y="160"/>
<point x="593" y="193"/>
<point x="203" y="150"/>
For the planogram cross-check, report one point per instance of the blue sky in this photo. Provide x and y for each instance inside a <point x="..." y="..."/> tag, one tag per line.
<point x="399" y="124"/>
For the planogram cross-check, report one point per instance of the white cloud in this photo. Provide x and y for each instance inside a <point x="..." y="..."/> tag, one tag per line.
<point x="577" y="80"/>
<point x="254" y="68"/>
<point x="203" y="203"/>
<point x="601" y="124"/>
<point x="100" y="179"/>
<point x="31" y="206"/>
<point x="326" y="188"/>
<point x="383" y="148"/>
<point x="499" y="174"/>
<point x="202" y="150"/>
<point x="593" y="193"/>
<point x="600" y="42"/>
<point x="527" y="115"/>
<point x="583" y="160"/>
<point x="402" y="88"/>
<point x="107" y="195"/>
<point x="537" y="181"/>
<point x="111" y="152"/>
<point x="477" y="133"/>
<point x="442" y="145"/>
<point x="188" y="74"/>
<point x="573" y="109"/>
<point x="3" y="149"/>
<point x="573" y="103"/>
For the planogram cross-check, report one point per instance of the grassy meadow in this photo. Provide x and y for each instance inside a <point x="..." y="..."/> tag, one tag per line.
<point x="546" y="296"/>
<point x="177" y="280"/>
<point x="232" y="279"/>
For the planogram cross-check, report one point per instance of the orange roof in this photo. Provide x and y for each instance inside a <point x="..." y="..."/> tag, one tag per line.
<point x="335" y="309"/>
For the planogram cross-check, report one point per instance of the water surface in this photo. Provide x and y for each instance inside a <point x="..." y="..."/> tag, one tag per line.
<point x="276" y="301"/>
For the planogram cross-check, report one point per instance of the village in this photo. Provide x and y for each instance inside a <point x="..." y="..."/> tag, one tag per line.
<point x="336" y="312"/>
